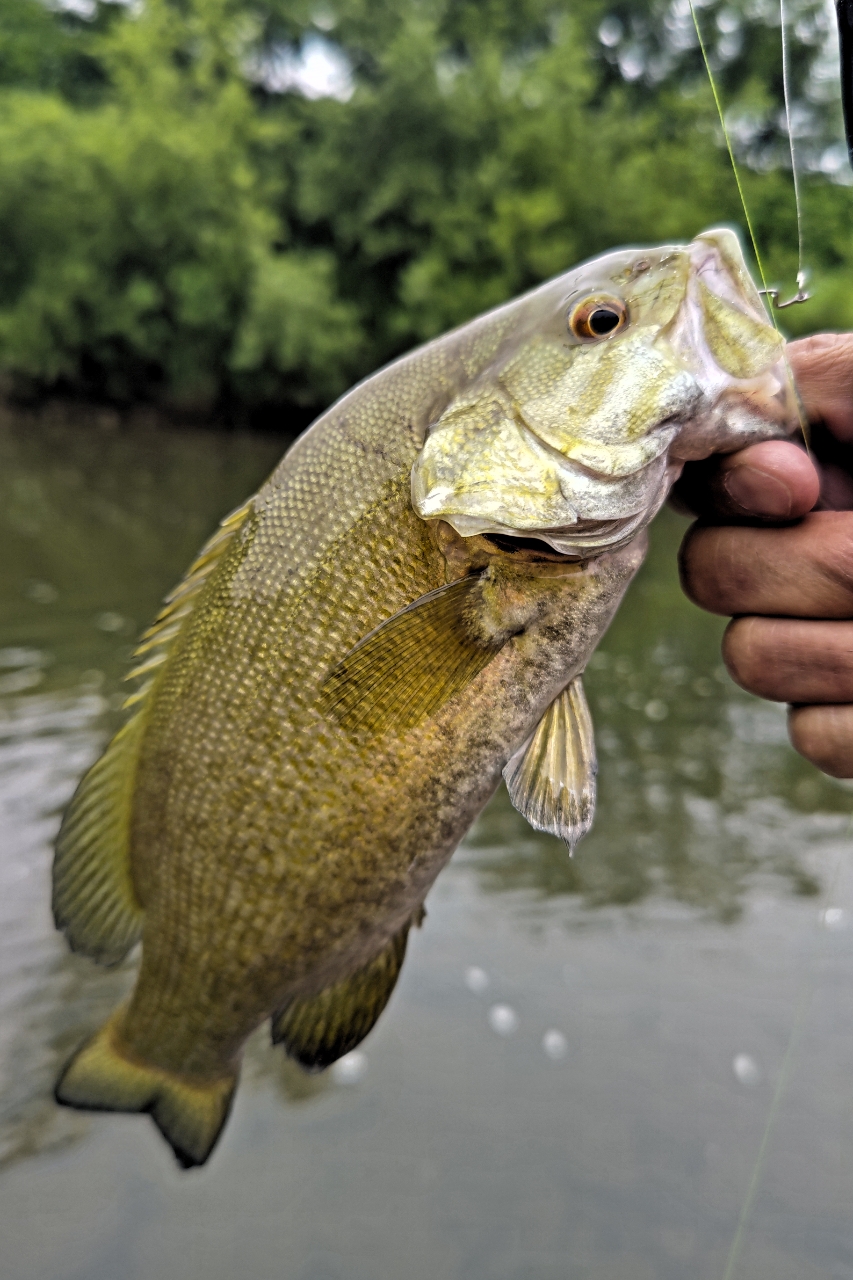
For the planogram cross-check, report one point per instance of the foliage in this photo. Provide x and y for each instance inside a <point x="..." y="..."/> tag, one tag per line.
<point x="184" y="218"/>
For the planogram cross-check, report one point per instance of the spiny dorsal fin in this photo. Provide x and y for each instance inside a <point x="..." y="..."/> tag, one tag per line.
<point x="318" y="1031"/>
<point x="551" y="779"/>
<point x="93" y="899"/>
<point x="410" y="665"/>
<point x="155" y="643"/>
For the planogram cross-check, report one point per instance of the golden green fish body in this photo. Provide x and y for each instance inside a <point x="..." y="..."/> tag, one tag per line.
<point x="272" y="850"/>
<point x="273" y="816"/>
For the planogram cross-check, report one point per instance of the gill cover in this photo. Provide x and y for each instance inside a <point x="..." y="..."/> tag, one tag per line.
<point x="568" y="434"/>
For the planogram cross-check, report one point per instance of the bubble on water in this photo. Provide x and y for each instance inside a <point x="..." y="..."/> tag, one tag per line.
<point x="350" y="1069"/>
<point x="41" y="592"/>
<point x="92" y="679"/>
<point x="18" y="681"/>
<point x="833" y="918"/>
<point x="555" y="1044"/>
<point x="746" y="1069"/>
<point x="476" y="979"/>
<point x="503" y="1019"/>
<point x="18" y="657"/>
<point x="109" y="621"/>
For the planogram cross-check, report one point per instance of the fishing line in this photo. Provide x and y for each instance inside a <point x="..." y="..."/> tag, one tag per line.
<point x="772" y="294"/>
<point x="801" y="295"/>
<point x="781" y="1085"/>
<point x="730" y="150"/>
<point x="758" y="1168"/>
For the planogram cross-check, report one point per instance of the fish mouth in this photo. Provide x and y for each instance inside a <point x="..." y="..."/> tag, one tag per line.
<point x="524" y="548"/>
<point x="722" y="334"/>
<point x="569" y="542"/>
<point x="577" y="452"/>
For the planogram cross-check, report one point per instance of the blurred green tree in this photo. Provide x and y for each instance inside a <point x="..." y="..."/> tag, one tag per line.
<point x="240" y="208"/>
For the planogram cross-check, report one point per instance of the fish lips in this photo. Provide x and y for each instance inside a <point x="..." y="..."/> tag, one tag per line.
<point x="722" y="334"/>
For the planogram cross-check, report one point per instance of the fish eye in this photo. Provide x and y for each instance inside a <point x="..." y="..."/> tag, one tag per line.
<point x="597" y="318"/>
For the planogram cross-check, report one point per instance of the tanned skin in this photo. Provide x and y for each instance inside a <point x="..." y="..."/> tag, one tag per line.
<point x="773" y="547"/>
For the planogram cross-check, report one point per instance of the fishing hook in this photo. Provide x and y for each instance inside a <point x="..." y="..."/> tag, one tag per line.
<point x="844" y="15"/>
<point x="800" y="296"/>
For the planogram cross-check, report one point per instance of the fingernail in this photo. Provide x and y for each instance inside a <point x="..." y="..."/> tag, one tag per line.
<point x="757" y="492"/>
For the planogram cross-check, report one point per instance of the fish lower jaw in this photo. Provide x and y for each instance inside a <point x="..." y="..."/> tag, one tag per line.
<point x="578" y="541"/>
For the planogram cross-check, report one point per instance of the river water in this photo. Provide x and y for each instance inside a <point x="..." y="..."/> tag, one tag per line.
<point x="633" y="1065"/>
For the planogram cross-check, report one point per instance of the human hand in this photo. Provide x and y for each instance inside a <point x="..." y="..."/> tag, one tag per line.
<point x="774" y="548"/>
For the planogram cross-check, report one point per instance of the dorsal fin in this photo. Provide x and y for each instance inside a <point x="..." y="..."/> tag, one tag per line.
<point x="94" y="902"/>
<point x="153" y="647"/>
<point x="319" y="1030"/>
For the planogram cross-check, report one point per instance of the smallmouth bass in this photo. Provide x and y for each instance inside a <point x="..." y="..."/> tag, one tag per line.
<point x="399" y="616"/>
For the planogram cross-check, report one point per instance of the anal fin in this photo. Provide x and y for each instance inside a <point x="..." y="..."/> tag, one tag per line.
<point x="409" y="666"/>
<point x="94" y="903"/>
<point x="318" y="1031"/>
<point x="551" y="778"/>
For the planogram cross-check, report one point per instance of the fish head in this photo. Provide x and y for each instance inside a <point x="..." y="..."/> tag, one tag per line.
<point x="603" y="382"/>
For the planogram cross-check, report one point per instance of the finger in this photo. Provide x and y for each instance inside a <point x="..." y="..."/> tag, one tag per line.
<point x="800" y="571"/>
<point x="788" y="660"/>
<point x="824" y="735"/>
<point x="773" y="480"/>
<point x="823" y="370"/>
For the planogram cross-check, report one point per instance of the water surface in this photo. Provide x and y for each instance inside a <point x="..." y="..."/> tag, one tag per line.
<point x="634" y="1064"/>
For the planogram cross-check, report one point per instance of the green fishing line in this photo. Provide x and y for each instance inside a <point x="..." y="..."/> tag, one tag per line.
<point x="729" y="148"/>
<point x="753" y="239"/>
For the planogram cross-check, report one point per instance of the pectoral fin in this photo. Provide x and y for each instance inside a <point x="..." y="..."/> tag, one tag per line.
<point x="551" y="779"/>
<point x="318" y="1031"/>
<point x="410" y="665"/>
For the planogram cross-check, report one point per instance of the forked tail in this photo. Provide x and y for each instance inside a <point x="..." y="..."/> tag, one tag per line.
<point x="188" y="1111"/>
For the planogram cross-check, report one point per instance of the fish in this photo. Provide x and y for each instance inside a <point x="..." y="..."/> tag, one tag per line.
<point x="397" y="619"/>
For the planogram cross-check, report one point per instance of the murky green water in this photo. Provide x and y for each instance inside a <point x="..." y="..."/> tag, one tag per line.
<point x="635" y="1065"/>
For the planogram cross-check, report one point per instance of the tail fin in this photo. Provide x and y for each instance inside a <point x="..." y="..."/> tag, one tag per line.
<point x="189" y="1112"/>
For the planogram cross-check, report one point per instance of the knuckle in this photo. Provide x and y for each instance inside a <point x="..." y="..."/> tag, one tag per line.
<point x="824" y="736"/>
<point x="834" y="352"/>
<point x="710" y="573"/>
<point x="742" y="653"/>
<point x="837" y="551"/>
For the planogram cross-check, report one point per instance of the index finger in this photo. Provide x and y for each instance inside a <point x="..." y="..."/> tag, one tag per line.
<point x="772" y="480"/>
